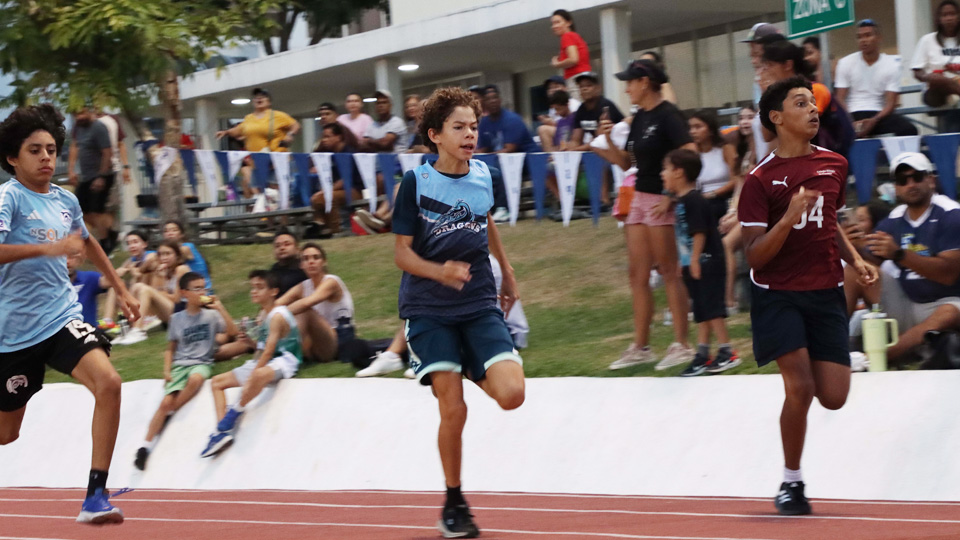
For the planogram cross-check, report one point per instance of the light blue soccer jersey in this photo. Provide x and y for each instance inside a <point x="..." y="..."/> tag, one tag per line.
<point x="36" y="296"/>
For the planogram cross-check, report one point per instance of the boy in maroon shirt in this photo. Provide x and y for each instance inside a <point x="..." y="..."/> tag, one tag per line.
<point x="788" y="211"/>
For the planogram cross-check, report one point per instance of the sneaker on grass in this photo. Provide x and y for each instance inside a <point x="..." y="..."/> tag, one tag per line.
<point x="457" y="522"/>
<point x="409" y="374"/>
<point x="633" y="356"/>
<point x="151" y="322"/>
<point x="375" y="224"/>
<point x="135" y="335"/>
<point x="97" y="510"/>
<point x="384" y="363"/>
<point x="676" y="354"/>
<point x="724" y="360"/>
<point x="501" y="215"/>
<point x="791" y="501"/>
<point x="697" y="367"/>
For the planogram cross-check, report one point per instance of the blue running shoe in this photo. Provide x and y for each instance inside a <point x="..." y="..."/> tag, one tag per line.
<point x="97" y="510"/>
<point x="229" y="420"/>
<point x="219" y="442"/>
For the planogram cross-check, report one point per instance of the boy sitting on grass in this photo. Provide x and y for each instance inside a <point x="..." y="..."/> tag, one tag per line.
<point x="193" y="335"/>
<point x="701" y="255"/>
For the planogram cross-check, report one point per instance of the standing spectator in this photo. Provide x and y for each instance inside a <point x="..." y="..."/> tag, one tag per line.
<point x="667" y="89"/>
<point x="935" y="62"/>
<point x="387" y="132"/>
<point x="657" y="128"/>
<point x="922" y="239"/>
<point x="121" y="169"/>
<point x="813" y="58"/>
<point x="760" y="35"/>
<point x="548" y="122"/>
<point x="868" y="86"/>
<point x="287" y="265"/>
<point x="355" y="119"/>
<point x="327" y="112"/>
<point x="574" y="57"/>
<point x="717" y="179"/>
<point x="91" y="147"/>
<point x="557" y="137"/>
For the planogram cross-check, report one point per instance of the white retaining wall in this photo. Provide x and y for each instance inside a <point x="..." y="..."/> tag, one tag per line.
<point x="896" y="439"/>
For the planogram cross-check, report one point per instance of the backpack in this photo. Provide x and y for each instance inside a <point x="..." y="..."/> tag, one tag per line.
<point x="940" y="350"/>
<point x="836" y="129"/>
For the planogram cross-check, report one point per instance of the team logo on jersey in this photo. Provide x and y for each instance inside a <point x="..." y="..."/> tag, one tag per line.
<point x="459" y="217"/>
<point x="65" y="217"/>
<point x="15" y="382"/>
<point x="425" y="175"/>
<point x="781" y="182"/>
<point x="826" y="172"/>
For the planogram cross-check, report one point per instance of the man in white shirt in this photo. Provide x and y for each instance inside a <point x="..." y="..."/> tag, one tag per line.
<point x="386" y="132"/>
<point x="868" y="85"/>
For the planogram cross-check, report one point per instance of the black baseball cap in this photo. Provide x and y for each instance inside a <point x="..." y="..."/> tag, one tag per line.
<point x="638" y="69"/>
<point x="555" y="79"/>
<point x="259" y="92"/>
<point x="586" y="75"/>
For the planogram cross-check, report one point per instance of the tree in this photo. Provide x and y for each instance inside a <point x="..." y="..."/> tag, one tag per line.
<point x="121" y="53"/>
<point x="325" y="18"/>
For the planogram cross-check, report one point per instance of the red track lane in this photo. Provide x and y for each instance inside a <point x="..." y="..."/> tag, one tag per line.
<point x="260" y="515"/>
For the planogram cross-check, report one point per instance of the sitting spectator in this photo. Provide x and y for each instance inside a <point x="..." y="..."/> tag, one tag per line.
<point x="327" y="112"/>
<point x="556" y="136"/>
<point x="548" y="122"/>
<point x="89" y="284"/>
<point x="323" y="307"/>
<point x="193" y="336"/>
<point x="412" y="109"/>
<point x="363" y="222"/>
<point x="355" y="119"/>
<point x="477" y="92"/>
<point x="587" y="117"/>
<point x="159" y="298"/>
<point x="386" y="132"/>
<point x="287" y="265"/>
<point x="335" y="139"/>
<point x="666" y="89"/>
<point x="281" y="353"/>
<point x="857" y="225"/>
<point x="501" y="131"/>
<point x="138" y="268"/>
<point x="920" y="246"/>
<point x="868" y="86"/>
<point x="718" y="178"/>
<point x="935" y="58"/>
<point x="173" y="230"/>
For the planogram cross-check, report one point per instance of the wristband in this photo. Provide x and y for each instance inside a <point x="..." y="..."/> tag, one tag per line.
<point x="898" y="255"/>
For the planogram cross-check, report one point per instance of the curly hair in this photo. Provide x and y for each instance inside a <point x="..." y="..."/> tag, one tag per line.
<point x="440" y="105"/>
<point x="22" y="123"/>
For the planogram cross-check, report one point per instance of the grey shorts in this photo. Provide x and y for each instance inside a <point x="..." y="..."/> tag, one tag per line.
<point x="908" y="313"/>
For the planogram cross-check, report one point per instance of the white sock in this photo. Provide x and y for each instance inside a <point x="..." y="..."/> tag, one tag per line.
<point x="150" y="444"/>
<point x="237" y="407"/>
<point x="389" y="355"/>
<point x="791" y="476"/>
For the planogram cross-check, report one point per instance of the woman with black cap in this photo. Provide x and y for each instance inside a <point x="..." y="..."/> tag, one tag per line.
<point x="658" y="127"/>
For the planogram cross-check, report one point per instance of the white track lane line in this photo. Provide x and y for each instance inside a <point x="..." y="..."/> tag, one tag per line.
<point x="407" y="527"/>
<point x="28" y="538"/>
<point x="513" y="494"/>
<point x="512" y="509"/>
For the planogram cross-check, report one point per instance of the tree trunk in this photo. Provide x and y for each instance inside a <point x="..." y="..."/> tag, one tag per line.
<point x="171" y="184"/>
<point x="268" y="46"/>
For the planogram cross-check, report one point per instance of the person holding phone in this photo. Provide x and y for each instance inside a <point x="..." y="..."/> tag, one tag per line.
<point x="264" y="130"/>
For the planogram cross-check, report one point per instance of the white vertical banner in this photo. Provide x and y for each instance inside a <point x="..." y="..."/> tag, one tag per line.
<point x="511" y="167"/>
<point x="367" y="165"/>
<point x="408" y="162"/>
<point x="234" y="161"/>
<point x="567" y="167"/>
<point x="162" y="160"/>
<point x="894" y="146"/>
<point x="322" y="162"/>
<point x="281" y="169"/>
<point x="208" y="166"/>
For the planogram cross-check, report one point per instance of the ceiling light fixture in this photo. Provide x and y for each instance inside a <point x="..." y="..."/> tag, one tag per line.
<point x="370" y="100"/>
<point x="240" y="101"/>
<point x="409" y="67"/>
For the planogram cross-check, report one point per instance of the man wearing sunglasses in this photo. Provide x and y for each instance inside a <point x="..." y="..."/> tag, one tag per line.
<point x="919" y="244"/>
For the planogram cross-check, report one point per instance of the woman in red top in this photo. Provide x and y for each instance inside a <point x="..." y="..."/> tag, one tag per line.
<point x="574" y="58"/>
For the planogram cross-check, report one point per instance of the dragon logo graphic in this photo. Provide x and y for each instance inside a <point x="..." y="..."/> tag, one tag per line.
<point x="459" y="217"/>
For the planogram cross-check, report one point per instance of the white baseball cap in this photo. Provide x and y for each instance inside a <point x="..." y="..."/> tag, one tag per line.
<point x="914" y="160"/>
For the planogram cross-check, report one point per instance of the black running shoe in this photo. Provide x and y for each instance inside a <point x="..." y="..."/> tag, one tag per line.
<point x="725" y="359"/>
<point x="141" y="461"/>
<point x="791" y="501"/>
<point x="457" y="522"/>
<point x="696" y="367"/>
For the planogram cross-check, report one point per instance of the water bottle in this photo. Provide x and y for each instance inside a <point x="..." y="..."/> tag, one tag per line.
<point x="879" y="333"/>
<point x="124" y="327"/>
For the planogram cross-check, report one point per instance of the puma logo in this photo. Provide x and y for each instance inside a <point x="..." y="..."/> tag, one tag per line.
<point x="781" y="182"/>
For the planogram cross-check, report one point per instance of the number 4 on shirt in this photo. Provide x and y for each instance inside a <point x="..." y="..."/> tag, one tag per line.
<point x="816" y="214"/>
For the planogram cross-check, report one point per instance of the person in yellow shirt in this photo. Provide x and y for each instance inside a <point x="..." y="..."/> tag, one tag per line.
<point x="263" y="130"/>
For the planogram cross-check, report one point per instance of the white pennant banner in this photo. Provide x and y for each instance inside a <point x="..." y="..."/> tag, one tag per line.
<point x="894" y="146"/>
<point x="162" y="160"/>
<point x="208" y="166"/>
<point x="322" y="162"/>
<point x="408" y="162"/>
<point x="511" y="168"/>
<point x="234" y="161"/>
<point x="567" y="167"/>
<point x="281" y="169"/>
<point x="367" y="165"/>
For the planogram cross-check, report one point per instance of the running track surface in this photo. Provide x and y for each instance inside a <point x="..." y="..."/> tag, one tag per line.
<point x="33" y="514"/>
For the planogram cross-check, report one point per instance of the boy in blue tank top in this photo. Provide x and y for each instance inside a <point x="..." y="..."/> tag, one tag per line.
<point x="448" y="295"/>
<point x="41" y="321"/>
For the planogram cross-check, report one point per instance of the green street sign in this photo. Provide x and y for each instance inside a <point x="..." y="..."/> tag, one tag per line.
<point x="805" y="17"/>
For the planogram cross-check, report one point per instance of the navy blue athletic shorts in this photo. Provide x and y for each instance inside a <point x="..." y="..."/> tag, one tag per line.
<point x="785" y="321"/>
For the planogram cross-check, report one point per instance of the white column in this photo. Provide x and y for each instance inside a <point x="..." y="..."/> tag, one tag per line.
<point x="208" y="123"/>
<point x="615" y="52"/>
<point x="387" y="77"/>
<point x="914" y="19"/>
<point x="308" y="132"/>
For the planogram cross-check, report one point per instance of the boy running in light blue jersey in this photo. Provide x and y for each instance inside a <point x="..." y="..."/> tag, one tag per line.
<point x="41" y="321"/>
